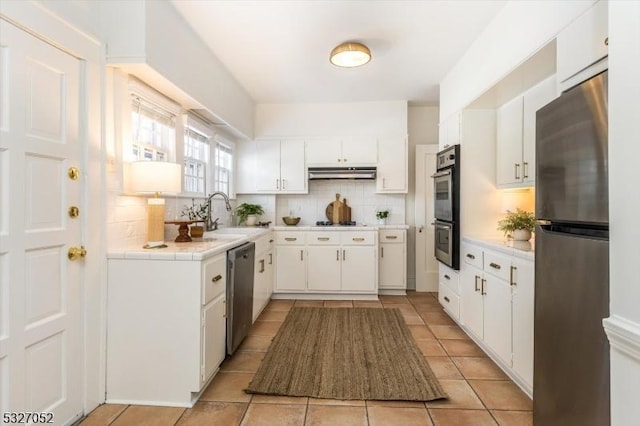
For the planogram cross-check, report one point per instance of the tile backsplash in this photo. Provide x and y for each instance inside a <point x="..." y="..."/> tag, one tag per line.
<point x="360" y="195"/>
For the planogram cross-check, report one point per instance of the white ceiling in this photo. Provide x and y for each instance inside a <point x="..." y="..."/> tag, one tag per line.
<point x="279" y="50"/>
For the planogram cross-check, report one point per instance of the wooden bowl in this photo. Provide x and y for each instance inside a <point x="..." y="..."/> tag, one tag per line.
<point x="291" y="221"/>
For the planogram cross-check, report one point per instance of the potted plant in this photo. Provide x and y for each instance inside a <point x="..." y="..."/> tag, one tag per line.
<point x="519" y="224"/>
<point x="382" y="216"/>
<point x="197" y="212"/>
<point x="248" y="213"/>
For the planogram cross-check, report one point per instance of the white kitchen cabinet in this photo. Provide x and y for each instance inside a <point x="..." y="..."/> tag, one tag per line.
<point x="263" y="273"/>
<point x="280" y="166"/>
<point x="582" y="43"/>
<point x="327" y="262"/>
<point x="164" y="316"/>
<point x="448" y="290"/>
<point x="522" y="285"/>
<point x="342" y="152"/>
<point x="471" y="303"/>
<point x="449" y="132"/>
<point x="392" y="261"/>
<point x="392" y="175"/>
<point x="516" y="135"/>
<point x="496" y="294"/>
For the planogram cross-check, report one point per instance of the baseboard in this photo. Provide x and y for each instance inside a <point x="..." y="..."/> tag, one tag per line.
<point x="624" y="335"/>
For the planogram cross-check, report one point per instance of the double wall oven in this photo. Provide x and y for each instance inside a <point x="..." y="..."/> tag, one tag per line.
<point x="446" y="185"/>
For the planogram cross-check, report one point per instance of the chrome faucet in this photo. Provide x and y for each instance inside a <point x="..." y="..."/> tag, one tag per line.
<point x="211" y="225"/>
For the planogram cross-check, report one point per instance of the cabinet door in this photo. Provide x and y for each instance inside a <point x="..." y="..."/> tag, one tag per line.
<point x="259" y="285"/>
<point x="523" y="297"/>
<point x="359" y="150"/>
<point x="213" y="336"/>
<point x="534" y="99"/>
<point x="509" y="142"/>
<point x="323" y="267"/>
<point x="391" y="267"/>
<point x="291" y="269"/>
<point x="359" y="269"/>
<point x="392" y="165"/>
<point x="471" y="306"/>
<point x="583" y="42"/>
<point x="324" y="152"/>
<point x="497" y="316"/>
<point x="267" y="171"/>
<point x="246" y="167"/>
<point x="292" y="167"/>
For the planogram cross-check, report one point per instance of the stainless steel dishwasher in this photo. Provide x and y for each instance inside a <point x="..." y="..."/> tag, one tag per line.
<point x="240" y="264"/>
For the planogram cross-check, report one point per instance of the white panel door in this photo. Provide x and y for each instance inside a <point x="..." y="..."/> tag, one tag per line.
<point x="497" y="317"/>
<point x="359" y="269"/>
<point x="291" y="269"/>
<point x="324" y="152"/>
<point x="523" y="298"/>
<point x="471" y="299"/>
<point x="267" y="166"/>
<point x="426" y="263"/>
<point x="392" y="165"/>
<point x="323" y="268"/>
<point x="509" y="142"/>
<point x="359" y="150"/>
<point x="41" y="340"/>
<point x="214" y="332"/>
<point x="293" y="171"/>
<point x="391" y="267"/>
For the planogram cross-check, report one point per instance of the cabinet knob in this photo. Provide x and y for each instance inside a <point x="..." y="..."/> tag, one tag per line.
<point x="470" y="256"/>
<point x="446" y="299"/>
<point x="606" y="41"/>
<point x="216" y="278"/>
<point x="494" y="265"/>
<point x="447" y="277"/>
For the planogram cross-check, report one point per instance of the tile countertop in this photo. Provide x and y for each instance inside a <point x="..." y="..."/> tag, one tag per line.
<point x="522" y="249"/>
<point x="214" y="242"/>
<point x="338" y="228"/>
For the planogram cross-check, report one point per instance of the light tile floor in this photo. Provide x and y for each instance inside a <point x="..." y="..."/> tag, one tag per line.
<point x="479" y="392"/>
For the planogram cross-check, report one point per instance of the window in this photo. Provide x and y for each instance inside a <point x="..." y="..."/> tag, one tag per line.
<point x="196" y="156"/>
<point x="223" y="159"/>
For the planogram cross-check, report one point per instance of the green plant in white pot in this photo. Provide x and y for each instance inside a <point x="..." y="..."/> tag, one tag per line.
<point x="519" y="225"/>
<point x="382" y="216"/>
<point x="248" y="213"/>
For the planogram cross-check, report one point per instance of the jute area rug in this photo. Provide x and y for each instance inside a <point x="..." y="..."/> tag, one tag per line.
<point x="346" y="353"/>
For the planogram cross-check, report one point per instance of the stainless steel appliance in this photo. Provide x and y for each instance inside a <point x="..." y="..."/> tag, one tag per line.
<point x="359" y="173"/>
<point x="240" y="262"/>
<point x="446" y="188"/>
<point x="571" y="351"/>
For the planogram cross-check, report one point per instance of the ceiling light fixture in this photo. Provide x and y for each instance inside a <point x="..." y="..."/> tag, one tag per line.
<point x="350" y="54"/>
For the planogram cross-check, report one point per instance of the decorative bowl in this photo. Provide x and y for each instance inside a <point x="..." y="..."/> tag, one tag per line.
<point x="290" y="220"/>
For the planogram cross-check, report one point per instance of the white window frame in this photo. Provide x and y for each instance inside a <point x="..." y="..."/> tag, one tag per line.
<point x="219" y="139"/>
<point x="193" y="123"/>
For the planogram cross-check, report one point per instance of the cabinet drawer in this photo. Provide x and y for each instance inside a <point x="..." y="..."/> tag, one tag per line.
<point x="449" y="277"/>
<point x="323" y="238"/>
<point x="363" y="238"/>
<point x="472" y="255"/>
<point x="497" y="265"/>
<point x="290" y="238"/>
<point x="214" y="280"/>
<point x="264" y="243"/>
<point x="392" y="236"/>
<point x="449" y="300"/>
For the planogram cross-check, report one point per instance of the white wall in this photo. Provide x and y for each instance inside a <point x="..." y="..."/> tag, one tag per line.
<point x="423" y="130"/>
<point x="623" y="327"/>
<point x="517" y="32"/>
<point x="331" y="119"/>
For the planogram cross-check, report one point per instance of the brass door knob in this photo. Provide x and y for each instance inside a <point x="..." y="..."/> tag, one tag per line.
<point x="76" y="253"/>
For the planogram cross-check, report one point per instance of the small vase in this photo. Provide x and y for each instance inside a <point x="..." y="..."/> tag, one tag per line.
<point x="196" y="231"/>
<point x="521" y="235"/>
<point x="252" y="220"/>
<point x="382" y="221"/>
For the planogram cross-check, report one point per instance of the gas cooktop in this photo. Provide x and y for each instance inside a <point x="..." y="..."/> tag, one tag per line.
<point x="329" y="223"/>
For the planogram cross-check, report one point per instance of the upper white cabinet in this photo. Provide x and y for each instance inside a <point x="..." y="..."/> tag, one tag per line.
<point x="450" y="131"/>
<point x="392" y="176"/>
<point x="343" y="152"/>
<point x="279" y="166"/>
<point x="516" y="135"/>
<point x="583" y="43"/>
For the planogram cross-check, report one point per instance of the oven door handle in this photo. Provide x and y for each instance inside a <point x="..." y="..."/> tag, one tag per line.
<point x="442" y="173"/>
<point x="441" y="226"/>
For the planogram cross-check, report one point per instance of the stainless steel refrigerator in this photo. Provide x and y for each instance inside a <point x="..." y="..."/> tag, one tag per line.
<point x="571" y="351"/>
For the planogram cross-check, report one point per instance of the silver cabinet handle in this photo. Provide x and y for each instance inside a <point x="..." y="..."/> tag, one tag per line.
<point x="475" y="283"/>
<point x="470" y="256"/>
<point x="358" y="239"/>
<point x="495" y="266"/>
<point x="446" y="299"/>
<point x="261" y="266"/>
<point x="301" y="254"/>
<point x="517" y="166"/>
<point x="344" y="159"/>
<point x="525" y="170"/>
<point x="284" y="183"/>
<point x="323" y="238"/>
<point x="391" y="237"/>
<point x="606" y="41"/>
<point x="216" y="278"/>
<point x="270" y="259"/>
<point x="447" y="276"/>
<point x="511" y="282"/>
<point x="338" y="255"/>
<point x="277" y="183"/>
<point x="482" y="282"/>
<point x="381" y="251"/>
<point x="344" y="256"/>
<point x="290" y="239"/>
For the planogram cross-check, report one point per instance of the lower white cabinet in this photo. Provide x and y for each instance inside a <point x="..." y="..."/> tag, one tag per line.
<point x="392" y="261"/>
<point x="448" y="292"/>
<point x="326" y="262"/>
<point x="166" y="328"/>
<point x="263" y="273"/>
<point x="496" y="307"/>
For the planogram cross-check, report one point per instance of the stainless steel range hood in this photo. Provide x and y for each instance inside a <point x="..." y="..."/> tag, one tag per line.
<point x="361" y="173"/>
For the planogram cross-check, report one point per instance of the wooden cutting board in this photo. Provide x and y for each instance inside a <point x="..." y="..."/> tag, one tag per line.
<point x="333" y="210"/>
<point x="345" y="212"/>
